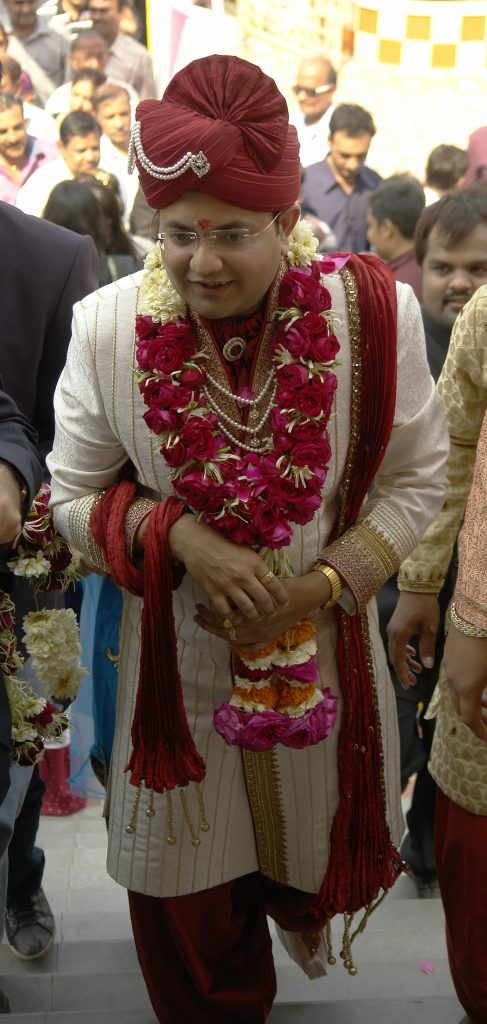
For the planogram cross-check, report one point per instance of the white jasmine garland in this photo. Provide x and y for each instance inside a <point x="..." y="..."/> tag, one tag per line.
<point x="30" y="566"/>
<point x="302" y="245"/>
<point x="51" y="638"/>
<point x="158" y="298"/>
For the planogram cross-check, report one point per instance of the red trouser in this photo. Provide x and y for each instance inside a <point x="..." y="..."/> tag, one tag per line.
<point x="207" y="957"/>
<point x="460" y="850"/>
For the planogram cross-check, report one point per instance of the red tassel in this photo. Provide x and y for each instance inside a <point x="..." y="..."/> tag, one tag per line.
<point x="163" y="752"/>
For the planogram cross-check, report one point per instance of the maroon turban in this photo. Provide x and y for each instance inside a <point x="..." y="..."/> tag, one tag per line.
<point x="222" y="127"/>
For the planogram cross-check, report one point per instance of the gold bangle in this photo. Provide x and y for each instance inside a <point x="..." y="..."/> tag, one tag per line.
<point x="138" y="511"/>
<point x="334" y="581"/>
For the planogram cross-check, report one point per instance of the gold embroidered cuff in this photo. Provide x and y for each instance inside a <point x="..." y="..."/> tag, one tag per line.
<point x="420" y="585"/>
<point x="80" y="531"/>
<point x="138" y="511"/>
<point x="364" y="559"/>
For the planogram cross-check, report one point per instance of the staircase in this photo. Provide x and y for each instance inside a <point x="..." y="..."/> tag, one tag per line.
<point x="91" y="975"/>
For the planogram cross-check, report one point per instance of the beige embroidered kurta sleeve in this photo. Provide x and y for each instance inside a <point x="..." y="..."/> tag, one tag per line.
<point x="471" y="588"/>
<point x="463" y="390"/>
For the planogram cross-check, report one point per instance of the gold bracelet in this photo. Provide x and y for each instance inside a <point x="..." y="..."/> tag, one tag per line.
<point x="334" y="581"/>
<point x="138" y="511"/>
<point x="467" y="628"/>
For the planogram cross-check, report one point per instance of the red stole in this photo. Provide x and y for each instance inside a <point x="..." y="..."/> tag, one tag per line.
<point x="363" y="859"/>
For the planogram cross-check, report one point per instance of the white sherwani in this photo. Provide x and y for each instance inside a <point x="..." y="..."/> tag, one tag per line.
<point x="271" y="811"/>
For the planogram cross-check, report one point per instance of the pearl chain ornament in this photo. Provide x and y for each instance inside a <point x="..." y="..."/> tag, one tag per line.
<point x="230" y="394"/>
<point x="235" y="423"/>
<point x="196" y="162"/>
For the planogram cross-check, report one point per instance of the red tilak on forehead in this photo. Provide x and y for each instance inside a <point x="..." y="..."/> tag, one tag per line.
<point x="203" y="223"/>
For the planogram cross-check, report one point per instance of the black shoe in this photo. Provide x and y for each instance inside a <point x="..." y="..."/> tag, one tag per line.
<point x="426" y="884"/>
<point x="4" y="1003"/>
<point x="29" y="925"/>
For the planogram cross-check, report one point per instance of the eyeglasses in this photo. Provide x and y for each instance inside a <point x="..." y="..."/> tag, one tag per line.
<point x="223" y="239"/>
<point x="320" y="89"/>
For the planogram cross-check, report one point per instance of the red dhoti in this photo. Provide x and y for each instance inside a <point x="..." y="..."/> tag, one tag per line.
<point x="461" y="846"/>
<point x="207" y="957"/>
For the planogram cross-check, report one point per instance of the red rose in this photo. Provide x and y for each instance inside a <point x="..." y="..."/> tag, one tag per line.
<point x="324" y="349"/>
<point x="172" y="355"/>
<point x="192" y="378"/>
<point x="199" y="439"/>
<point x="176" y="455"/>
<point x="316" y="398"/>
<point x="302" y="287"/>
<point x="307" y="430"/>
<point x="199" y="492"/>
<point x="160" y="420"/>
<point x="293" y="375"/>
<point x="237" y="529"/>
<point x="312" y="453"/>
<point x="270" y="522"/>
<point x="279" y="420"/>
<point x="157" y="392"/>
<point x="146" y="327"/>
<point x="146" y="353"/>
<point x="305" y="506"/>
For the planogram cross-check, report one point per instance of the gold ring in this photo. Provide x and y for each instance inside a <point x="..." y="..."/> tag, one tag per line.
<point x="227" y="624"/>
<point x="266" y="577"/>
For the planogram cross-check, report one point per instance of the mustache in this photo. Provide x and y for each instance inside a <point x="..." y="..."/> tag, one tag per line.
<point x="457" y="296"/>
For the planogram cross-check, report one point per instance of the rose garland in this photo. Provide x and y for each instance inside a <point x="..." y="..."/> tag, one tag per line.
<point x="254" y="497"/>
<point x="51" y="636"/>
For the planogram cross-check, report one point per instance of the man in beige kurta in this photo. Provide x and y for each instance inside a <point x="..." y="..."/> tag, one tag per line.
<point x="256" y="819"/>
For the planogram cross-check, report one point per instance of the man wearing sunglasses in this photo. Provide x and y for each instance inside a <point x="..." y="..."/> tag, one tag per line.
<point x="314" y="90"/>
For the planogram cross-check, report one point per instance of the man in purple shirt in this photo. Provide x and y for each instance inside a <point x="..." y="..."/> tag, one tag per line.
<point x="394" y="209"/>
<point x="20" y="153"/>
<point x="336" y="190"/>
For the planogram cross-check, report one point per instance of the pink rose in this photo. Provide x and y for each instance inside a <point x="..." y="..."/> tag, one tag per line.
<point x="314" y="726"/>
<point x="305" y="673"/>
<point x="262" y="730"/>
<point x="199" y="439"/>
<point x="227" y="721"/>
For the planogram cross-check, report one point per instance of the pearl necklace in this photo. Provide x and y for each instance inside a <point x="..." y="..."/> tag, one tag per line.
<point x="243" y="401"/>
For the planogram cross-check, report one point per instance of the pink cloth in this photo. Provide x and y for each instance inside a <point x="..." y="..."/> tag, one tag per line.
<point x="38" y="153"/>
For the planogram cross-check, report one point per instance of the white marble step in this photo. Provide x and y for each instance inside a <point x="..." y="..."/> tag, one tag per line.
<point x="440" y="1010"/>
<point x="91" y="974"/>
